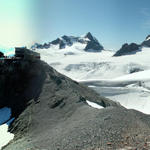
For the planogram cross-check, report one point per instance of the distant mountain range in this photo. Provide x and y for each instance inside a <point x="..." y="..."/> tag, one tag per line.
<point x="91" y="43"/>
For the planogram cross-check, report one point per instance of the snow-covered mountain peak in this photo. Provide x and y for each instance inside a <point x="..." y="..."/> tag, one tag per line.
<point x="89" y="42"/>
<point x="90" y="37"/>
<point x="127" y="49"/>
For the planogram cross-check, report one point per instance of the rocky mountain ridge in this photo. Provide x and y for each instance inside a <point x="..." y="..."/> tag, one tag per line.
<point x="92" y="44"/>
<point x="89" y="40"/>
<point x="51" y="112"/>
<point x="128" y="49"/>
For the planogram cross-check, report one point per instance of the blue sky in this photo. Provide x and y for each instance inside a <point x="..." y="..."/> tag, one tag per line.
<point x="112" y="22"/>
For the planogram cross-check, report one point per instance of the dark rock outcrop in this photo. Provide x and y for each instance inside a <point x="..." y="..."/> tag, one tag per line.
<point x="128" y="49"/>
<point x="133" y="48"/>
<point x="19" y="84"/>
<point x="51" y="112"/>
<point x="67" y="39"/>
<point x="146" y="43"/>
<point x="58" y="42"/>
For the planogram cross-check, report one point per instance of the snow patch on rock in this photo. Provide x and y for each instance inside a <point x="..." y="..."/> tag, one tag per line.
<point x="94" y="105"/>
<point x="5" y="136"/>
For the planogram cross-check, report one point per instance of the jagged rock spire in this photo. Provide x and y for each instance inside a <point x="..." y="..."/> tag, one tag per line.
<point x="89" y="36"/>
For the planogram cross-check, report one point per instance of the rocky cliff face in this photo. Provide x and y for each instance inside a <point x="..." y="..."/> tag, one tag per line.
<point x="51" y="112"/>
<point x="20" y="81"/>
<point x="89" y="40"/>
<point x="128" y="49"/>
<point x="92" y="44"/>
<point x="132" y="48"/>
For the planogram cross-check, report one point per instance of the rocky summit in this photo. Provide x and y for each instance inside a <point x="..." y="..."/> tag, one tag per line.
<point x="51" y="112"/>
<point x="127" y="49"/>
<point x="91" y="43"/>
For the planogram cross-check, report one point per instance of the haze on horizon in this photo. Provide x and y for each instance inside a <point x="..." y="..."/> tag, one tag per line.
<point x="113" y="23"/>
